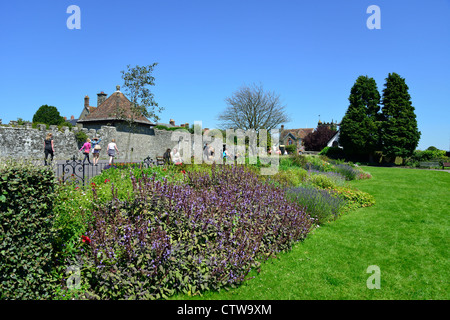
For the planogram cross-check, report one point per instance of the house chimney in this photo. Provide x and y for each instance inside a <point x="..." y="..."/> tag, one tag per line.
<point x="172" y="122"/>
<point x="72" y="118"/>
<point x="86" y="102"/>
<point x="101" y="97"/>
<point x="282" y="127"/>
<point x="65" y="118"/>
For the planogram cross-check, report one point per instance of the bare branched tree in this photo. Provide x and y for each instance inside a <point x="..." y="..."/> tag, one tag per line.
<point x="253" y="108"/>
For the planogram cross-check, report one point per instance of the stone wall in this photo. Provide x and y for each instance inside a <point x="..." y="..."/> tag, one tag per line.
<point x="27" y="142"/>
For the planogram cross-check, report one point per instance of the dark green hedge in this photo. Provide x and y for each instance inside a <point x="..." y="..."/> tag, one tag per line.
<point x="26" y="202"/>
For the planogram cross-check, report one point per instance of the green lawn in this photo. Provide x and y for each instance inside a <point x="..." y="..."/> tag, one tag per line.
<point x="405" y="234"/>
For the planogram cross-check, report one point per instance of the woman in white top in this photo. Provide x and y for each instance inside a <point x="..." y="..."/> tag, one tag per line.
<point x="112" y="148"/>
<point x="176" y="157"/>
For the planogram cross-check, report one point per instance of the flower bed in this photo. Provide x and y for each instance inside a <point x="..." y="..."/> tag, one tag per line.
<point x="204" y="234"/>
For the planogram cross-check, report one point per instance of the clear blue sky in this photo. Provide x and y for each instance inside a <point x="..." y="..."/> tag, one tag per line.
<point x="308" y="52"/>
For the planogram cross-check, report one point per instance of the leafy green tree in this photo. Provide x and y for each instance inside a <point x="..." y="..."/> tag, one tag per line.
<point x="48" y="115"/>
<point x="400" y="135"/>
<point x="359" y="130"/>
<point x="136" y="83"/>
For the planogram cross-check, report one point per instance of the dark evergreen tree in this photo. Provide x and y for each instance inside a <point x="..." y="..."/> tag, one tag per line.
<point x="400" y="135"/>
<point x="359" y="129"/>
<point x="48" y="115"/>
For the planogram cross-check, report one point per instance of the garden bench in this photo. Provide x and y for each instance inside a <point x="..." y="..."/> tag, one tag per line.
<point x="446" y="165"/>
<point x="429" y="164"/>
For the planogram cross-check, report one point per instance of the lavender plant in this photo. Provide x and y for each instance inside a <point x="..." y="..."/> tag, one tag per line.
<point x="349" y="172"/>
<point x="204" y="234"/>
<point x="320" y="204"/>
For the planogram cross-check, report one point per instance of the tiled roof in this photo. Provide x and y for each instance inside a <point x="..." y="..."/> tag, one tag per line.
<point x="298" y="133"/>
<point x="116" y="107"/>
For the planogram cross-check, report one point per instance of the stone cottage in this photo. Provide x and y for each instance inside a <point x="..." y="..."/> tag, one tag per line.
<point x="294" y="136"/>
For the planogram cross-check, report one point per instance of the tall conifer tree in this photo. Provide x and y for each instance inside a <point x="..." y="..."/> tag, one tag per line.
<point x="359" y="129"/>
<point x="400" y="135"/>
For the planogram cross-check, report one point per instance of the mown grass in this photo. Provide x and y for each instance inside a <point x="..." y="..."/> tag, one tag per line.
<point x="405" y="234"/>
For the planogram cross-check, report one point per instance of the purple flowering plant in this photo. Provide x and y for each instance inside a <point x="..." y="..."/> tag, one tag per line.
<point x="205" y="233"/>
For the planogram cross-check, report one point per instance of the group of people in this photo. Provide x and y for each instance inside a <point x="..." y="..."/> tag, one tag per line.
<point x="90" y="146"/>
<point x="94" y="147"/>
<point x="172" y="156"/>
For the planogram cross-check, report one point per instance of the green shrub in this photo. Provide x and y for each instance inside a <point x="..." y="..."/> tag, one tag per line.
<point x="428" y="155"/>
<point x="321" y="181"/>
<point x="291" y="149"/>
<point x="81" y="137"/>
<point x="355" y="198"/>
<point x="26" y="203"/>
<point x="161" y="127"/>
<point x="290" y="177"/>
<point x="333" y="152"/>
<point x="35" y="125"/>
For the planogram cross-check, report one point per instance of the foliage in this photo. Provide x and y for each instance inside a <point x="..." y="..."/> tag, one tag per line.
<point x="253" y="108"/>
<point x="81" y="137"/>
<point x="26" y="203"/>
<point x="400" y="135"/>
<point x="136" y="82"/>
<point x="48" y="115"/>
<point x="354" y="198"/>
<point x="359" y="129"/>
<point x="328" y="179"/>
<point x="348" y="171"/>
<point x="35" y="125"/>
<point x="320" y="204"/>
<point x="291" y="149"/>
<point x="205" y="234"/>
<point x="428" y="155"/>
<point x="161" y="127"/>
<point x="318" y="139"/>
<point x="333" y="152"/>
<point x="432" y="154"/>
<point x="290" y="177"/>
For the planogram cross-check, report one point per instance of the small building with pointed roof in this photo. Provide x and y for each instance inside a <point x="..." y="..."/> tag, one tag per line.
<point x="294" y="136"/>
<point x="116" y="111"/>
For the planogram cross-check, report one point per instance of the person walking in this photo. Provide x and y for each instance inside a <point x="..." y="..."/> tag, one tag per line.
<point x="86" y="149"/>
<point x="96" y="150"/>
<point x="112" y="148"/>
<point x="49" y="148"/>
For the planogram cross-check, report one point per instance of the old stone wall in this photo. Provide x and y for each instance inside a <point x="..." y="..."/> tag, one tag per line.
<point x="27" y="142"/>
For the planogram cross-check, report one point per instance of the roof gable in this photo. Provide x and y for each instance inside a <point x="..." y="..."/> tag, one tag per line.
<point x="115" y="107"/>
<point x="297" y="133"/>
